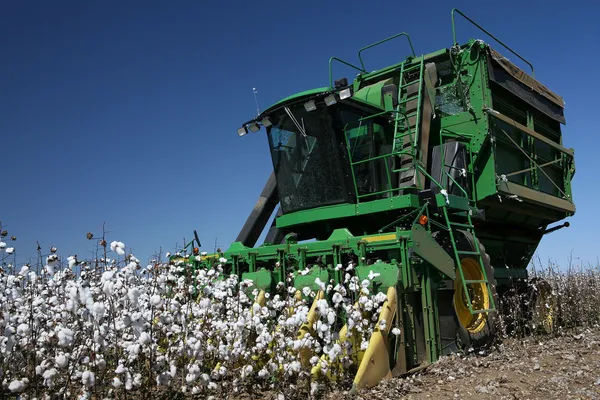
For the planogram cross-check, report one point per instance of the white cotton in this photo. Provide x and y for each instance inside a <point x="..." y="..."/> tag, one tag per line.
<point x="330" y="317"/>
<point x="24" y="270"/>
<point x="445" y="194"/>
<point x="295" y="366"/>
<point x="49" y="269"/>
<point x="65" y="337"/>
<point x="16" y="386"/>
<point x="144" y="338"/>
<point x="72" y="261"/>
<point x="2" y="245"/>
<point x="396" y="331"/>
<point x="373" y="275"/>
<point x="134" y="294"/>
<point x="120" y="369"/>
<point x="10" y="250"/>
<point x="115" y="244"/>
<point x="337" y="298"/>
<point x="61" y="361"/>
<point x="50" y="374"/>
<point x="155" y="300"/>
<point x="23" y="330"/>
<point x="320" y="283"/>
<point x="382" y="324"/>
<point x="98" y="310"/>
<point x="117" y="382"/>
<point x="88" y="378"/>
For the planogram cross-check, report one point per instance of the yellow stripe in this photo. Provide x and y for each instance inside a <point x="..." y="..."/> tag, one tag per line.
<point x="380" y="238"/>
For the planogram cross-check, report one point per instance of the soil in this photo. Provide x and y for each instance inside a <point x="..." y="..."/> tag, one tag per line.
<point x="562" y="367"/>
<point x="565" y="366"/>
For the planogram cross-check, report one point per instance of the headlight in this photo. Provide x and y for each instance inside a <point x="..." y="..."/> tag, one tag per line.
<point x="330" y="100"/>
<point x="346" y="93"/>
<point x="310" y="105"/>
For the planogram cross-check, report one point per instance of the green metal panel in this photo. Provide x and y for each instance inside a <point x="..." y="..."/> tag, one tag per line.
<point x="347" y="210"/>
<point x="426" y="247"/>
<point x="372" y="93"/>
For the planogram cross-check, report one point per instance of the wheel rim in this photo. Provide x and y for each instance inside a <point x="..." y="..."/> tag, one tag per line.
<point x="479" y="297"/>
<point x="543" y="306"/>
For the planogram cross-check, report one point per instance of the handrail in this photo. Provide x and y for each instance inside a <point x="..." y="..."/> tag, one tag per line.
<point x="343" y="62"/>
<point x="488" y="33"/>
<point x="382" y="41"/>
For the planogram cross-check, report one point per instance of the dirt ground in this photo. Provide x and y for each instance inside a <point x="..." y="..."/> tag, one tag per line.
<point x="563" y="367"/>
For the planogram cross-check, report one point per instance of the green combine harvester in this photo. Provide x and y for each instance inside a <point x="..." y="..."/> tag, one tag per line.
<point x="442" y="173"/>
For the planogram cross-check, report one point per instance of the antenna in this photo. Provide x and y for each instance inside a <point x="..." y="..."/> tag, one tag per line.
<point x="256" y="100"/>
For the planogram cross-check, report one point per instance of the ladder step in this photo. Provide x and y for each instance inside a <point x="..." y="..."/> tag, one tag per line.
<point x="405" y="85"/>
<point x="460" y="225"/>
<point x="469" y="253"/>
<point x="413" y="68"/>
<point x="402" y="135"/>
<point x="411" y="98"/>
<point x="403" y="169"/>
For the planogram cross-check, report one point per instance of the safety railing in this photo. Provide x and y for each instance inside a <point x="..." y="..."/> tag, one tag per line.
<point x="392" y="189"/>
<point x="563" y="158"/>
<point x="383" y="41"/>
<point x="342" y="62"/>
<point x="455" y="10"/>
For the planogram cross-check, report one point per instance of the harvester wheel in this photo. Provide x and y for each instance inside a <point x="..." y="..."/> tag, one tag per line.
<point x="541" y="305"/>
<point x="476" y="330"/>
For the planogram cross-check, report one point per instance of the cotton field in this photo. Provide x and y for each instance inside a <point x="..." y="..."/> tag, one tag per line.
<point x="115" y="328"/>
<point x="119" y="326"/>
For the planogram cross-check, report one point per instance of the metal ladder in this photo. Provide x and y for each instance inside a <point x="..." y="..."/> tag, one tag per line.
<point x="458" y="253"/>
<point x="406" y="151"/>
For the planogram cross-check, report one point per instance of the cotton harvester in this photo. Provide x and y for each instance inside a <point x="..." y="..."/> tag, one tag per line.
<point x="440" y="173"/>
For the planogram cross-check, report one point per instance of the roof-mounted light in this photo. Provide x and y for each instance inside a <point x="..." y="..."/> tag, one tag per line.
<point x="254" y="127"/>
<point x="266" y="122"/>
<point x="330" y="100"/>
<point x="242" y="131"/>
<point x="346" y="93"/>
<point x="310" y="105"/>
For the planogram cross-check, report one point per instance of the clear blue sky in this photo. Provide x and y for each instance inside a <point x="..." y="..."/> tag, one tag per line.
<point x="126" y="112"/>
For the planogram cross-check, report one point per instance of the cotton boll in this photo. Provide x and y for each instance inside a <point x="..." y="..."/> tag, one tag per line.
<point x="10" y="250"/>
<point x="49" y="376"/>
<point x="72" y="261"/>
<point x="133" y="294"/>
<point x="88" y="378"/>
<point x="16" y="386"/>
<point x="65" y="337"/>
<point x="98" y="310"/>
<point x="117" y="382"/>
<point x="156" y="301"/>
<point x="144" y="338"/>
<point x="23" y="330"/>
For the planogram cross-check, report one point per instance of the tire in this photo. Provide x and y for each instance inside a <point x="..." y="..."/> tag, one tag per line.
<point x="485" y="334"/>
<point x="466" y="339"/>
<point x="541" y="306"/>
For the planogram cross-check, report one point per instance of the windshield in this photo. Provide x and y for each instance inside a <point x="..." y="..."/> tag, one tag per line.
<point x="309" y="158"/>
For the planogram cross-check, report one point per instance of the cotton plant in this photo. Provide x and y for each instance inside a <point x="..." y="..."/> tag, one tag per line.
<point x="117" y="326"/>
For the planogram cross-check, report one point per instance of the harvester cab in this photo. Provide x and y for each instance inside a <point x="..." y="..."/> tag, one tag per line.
<point x="422" y="176"/>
